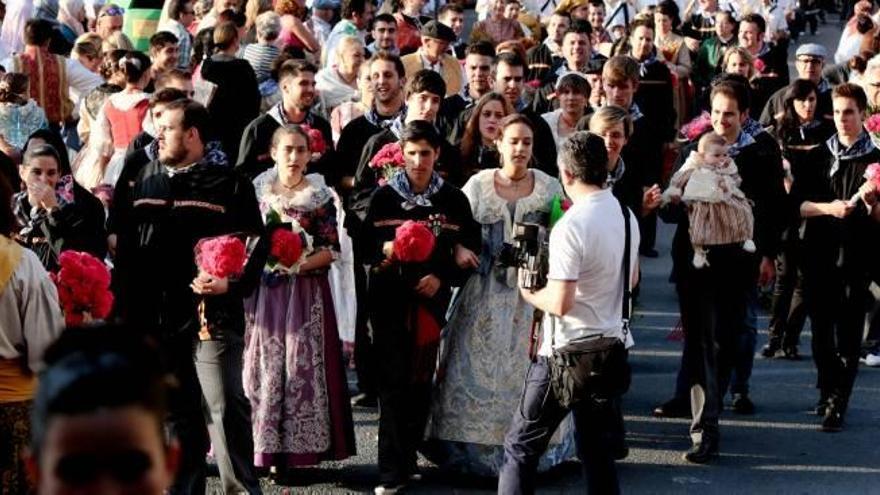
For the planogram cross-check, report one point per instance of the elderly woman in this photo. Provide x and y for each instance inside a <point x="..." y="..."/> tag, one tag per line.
<point x="55" y="213"/>
<point x="262" y="53"/>
<point x="496" y="28"/>
<point x="338" y="84"/>
<point x="408" y="298"/>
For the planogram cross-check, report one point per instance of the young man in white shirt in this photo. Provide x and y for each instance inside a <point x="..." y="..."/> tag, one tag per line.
<point x="583" y="299"/>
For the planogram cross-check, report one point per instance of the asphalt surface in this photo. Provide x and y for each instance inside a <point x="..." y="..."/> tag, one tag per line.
<point x="778" y="450"/>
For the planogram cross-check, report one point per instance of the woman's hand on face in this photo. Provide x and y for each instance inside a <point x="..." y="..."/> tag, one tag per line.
<point x="42" y="195"/>
<point x="206" y="285"/>
<point x="465" y="258"/>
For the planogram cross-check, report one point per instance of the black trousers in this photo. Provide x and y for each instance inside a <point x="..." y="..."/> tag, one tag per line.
<point x="788" y="312"/>
<point x="364" y="359"/>
<point x="404" y="405"/>
<point x="713" y="307"/>
<point x="837" y="298"/>
<point x="536" y="419"/>
<point x="209" y="408"/>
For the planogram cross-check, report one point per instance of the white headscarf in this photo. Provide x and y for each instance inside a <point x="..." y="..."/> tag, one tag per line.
<point x="12" y="31"/>
<point x="70" y="13"/>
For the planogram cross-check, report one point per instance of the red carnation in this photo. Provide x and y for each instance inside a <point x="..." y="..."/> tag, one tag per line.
<point x="760" y="66"/>
<point x="83" y="283"/>
<point x="413" y="242"/>
<point x="316" y="140"/>
<point x="873" y="123"/>
<point x="287" y="247"/>
<point x="221" y="257"/>
<point x="872" y="174"/>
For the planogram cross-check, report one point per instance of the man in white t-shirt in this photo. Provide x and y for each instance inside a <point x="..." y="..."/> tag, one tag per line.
<point x="583" y="299"/>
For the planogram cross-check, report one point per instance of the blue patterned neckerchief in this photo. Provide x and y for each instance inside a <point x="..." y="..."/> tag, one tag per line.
<point x="214" y="153"/>
<point x="823" y="86"/>
<point x="643" y="65"/>
<point x="752" y="127"/>
<point x="635" y="113"/>
<point x="521" y="104"/>
<point x="743" y="140"/>
<point x="616" y="174"/>
<point x="373" y="117"/>
<point x="400" y="183"/>
<point x="860" y="148"/>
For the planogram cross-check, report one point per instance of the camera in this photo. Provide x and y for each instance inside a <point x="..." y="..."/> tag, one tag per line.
<point x="529" y="253"/>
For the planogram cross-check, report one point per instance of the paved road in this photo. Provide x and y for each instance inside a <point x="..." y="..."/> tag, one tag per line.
<point x="779" y="450"/>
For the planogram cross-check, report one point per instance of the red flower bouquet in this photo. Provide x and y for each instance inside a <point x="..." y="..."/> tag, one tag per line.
<point x="872" y="125"/>
<point x="289" y="247"/>
<point x="760" y="66"/>
<point x="316" y="140"/>
<point x="83" y="283"/>
<point x="387" y="161"/>
<point x="696" y="127"/>
<point x="222" y="256"/>
<point x="413" y="242"/>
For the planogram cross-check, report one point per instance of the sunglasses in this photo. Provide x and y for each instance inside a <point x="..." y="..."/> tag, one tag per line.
<point x="112" y="12"/>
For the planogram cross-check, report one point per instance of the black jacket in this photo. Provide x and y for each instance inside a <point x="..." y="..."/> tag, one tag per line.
<point x="253" y="155"/>
<point x="169" y="215"/>
<point x="760" y="167"/>
<point x="77" y="226"/>
<point x="236" y="101"/>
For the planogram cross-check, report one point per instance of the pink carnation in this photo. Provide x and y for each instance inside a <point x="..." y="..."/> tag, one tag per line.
<point x="388" y="155"/>
<point x="83" y="283"/>
<point x="221" y="257"/>
<point x="760" y="66"/>
<point x="872" y="174"/>
<point x="873" y="123"/>
<point x="413" y="242"/>
<point x="696" y="127"/>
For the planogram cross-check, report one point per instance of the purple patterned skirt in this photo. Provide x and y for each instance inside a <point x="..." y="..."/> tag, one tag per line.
<point x="294" y="375"/>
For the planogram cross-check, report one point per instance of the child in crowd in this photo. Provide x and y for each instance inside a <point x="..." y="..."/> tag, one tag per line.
<point x="718" y="211"/>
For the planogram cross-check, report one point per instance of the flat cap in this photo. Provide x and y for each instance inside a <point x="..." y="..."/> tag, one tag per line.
<point x="813" y="50"/>
<point x="438" y="31"/>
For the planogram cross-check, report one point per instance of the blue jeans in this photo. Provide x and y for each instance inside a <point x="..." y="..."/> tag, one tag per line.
<point x="746" y="342"/>
<point x="534" y="422"/>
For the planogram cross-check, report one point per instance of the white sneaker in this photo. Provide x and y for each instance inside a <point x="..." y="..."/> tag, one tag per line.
<point x="872" y="360"/>
<point x="387" y="489"/>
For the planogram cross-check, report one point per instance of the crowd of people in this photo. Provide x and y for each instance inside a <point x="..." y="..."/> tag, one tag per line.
<point x="354" y="124"/>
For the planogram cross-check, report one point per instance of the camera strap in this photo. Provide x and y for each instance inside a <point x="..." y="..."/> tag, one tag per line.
<point x="627" y="293"/>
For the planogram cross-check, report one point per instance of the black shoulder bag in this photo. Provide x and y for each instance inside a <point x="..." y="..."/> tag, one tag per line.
<point x="596" y="367"/>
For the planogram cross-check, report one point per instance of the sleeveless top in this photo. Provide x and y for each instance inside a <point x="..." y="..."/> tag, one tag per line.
<point x="126" y="124"/>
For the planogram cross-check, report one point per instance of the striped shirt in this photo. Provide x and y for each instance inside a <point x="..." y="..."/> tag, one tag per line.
<point x="261" y="57"/>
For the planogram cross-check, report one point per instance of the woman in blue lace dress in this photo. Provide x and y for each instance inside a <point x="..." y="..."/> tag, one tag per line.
<point x="485" y="347"/>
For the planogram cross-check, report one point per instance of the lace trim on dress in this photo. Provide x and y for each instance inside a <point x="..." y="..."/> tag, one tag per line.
<point x="315" y="194"/>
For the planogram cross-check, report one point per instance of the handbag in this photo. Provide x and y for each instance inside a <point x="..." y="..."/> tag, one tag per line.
<point x="596" y="367"/>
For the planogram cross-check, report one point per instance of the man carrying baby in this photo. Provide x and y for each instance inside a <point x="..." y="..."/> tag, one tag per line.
<point x="713" y="298"/>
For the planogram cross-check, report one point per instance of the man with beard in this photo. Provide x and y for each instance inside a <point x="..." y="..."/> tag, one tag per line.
<point x="384" y="35"/>
<point x="297" y="81"/>
<point x="387" y="80"/>
<point x="198" y="319"/>
<point x="478" y="70"/>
